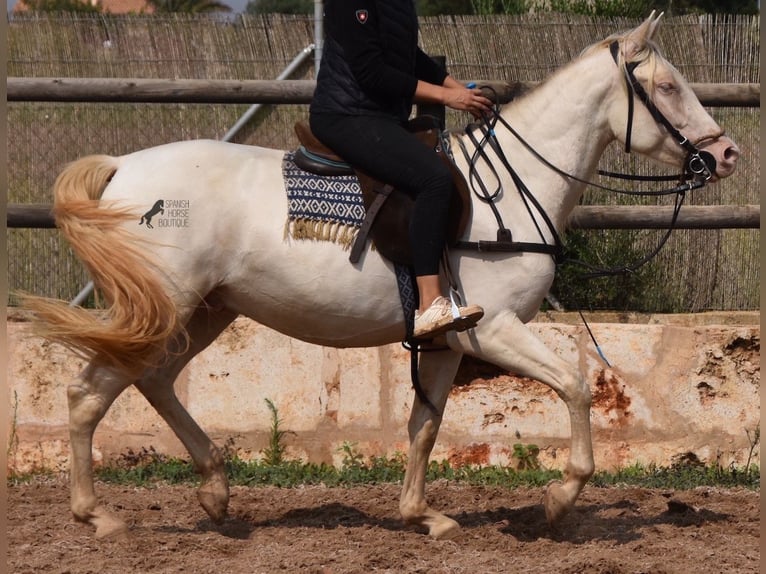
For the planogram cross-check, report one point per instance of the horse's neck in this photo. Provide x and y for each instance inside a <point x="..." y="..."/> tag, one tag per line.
<point x="564" y="121"/>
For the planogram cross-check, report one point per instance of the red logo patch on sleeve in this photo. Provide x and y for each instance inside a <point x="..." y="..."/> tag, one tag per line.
<point x="361" y="16"/>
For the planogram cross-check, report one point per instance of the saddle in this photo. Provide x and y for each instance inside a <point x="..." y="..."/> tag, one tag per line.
<point x="388" y="210"/>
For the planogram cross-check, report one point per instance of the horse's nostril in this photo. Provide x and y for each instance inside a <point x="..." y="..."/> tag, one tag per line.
<point x="731" y="153"/>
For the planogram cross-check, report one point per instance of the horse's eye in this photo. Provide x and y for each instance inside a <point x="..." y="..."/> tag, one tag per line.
<point x="666" y="88"/>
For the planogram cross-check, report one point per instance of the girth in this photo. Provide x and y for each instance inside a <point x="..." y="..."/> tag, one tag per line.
<point x="388" y="210"/>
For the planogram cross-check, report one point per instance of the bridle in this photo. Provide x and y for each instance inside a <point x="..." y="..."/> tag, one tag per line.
<point x="698" y="164"/>
<point x="699" y="167"/>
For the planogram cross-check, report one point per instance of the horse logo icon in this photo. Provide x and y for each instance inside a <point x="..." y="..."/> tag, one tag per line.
<point x="158" y="207"/>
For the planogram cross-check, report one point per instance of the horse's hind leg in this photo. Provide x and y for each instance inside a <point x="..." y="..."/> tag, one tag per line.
<point x="437" y="372"/>
<point x="157" y="386"/>
<point x="89" y="399"/>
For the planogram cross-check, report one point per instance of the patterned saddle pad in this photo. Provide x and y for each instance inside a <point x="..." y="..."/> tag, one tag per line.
<point x="321" y="207"/>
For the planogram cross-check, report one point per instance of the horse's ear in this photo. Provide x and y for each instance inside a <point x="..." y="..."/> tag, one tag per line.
<point x="654" y="23"/>
<point x="636" y="40"/>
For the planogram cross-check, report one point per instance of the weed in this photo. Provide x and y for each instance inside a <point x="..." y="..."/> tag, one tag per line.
<point x="351" y="458"/>
<point x="151" y="467"/>
<point x="679" y="476"/>
<point x="754" y="442"/>
<point x="354" y="469"/>
<point x="526" y="455"/>
<point x="147" y="466"/>
<point x="275" y="452"/>
<point x="13" y="438"/>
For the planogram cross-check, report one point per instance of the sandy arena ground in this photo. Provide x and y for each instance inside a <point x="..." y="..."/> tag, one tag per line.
<point x="318" y="530"/>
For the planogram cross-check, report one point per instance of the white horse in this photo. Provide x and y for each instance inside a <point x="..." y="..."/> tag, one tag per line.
<point x="172" y="290"/>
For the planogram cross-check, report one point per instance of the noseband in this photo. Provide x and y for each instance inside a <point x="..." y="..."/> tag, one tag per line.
<point x="699" y="164"/>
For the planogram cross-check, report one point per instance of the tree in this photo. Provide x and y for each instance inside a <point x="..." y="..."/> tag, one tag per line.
<point x="625" y="8"/>
<point x="709" y="7"/>
<point x="280" y="7"/>
<point x="486" y="7"/>
<point x="61" y="6"/>
<point x="188" y="6"/>
<point x="439" y="7"/>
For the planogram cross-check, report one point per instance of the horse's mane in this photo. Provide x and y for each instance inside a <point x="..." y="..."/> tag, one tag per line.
<point x="648" y="55"/>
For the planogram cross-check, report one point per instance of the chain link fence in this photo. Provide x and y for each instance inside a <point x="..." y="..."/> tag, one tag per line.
<point x="42" y="137"/>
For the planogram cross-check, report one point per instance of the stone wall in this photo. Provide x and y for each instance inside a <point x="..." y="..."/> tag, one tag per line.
<point x="679" y="386"/>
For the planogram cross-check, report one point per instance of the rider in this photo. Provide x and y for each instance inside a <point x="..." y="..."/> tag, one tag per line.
<point x="371" y="70"/>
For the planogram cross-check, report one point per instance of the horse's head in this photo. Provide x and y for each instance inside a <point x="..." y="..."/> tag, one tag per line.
<point x="666" y="122"/>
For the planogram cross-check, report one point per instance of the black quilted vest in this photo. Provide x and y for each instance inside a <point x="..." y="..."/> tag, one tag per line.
<point x="340" y="92"/>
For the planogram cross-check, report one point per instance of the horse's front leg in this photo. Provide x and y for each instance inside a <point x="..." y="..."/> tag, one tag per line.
<point x="437" y="372"/>
<point x="505" y="341"/>
<point x="89" y="399"/>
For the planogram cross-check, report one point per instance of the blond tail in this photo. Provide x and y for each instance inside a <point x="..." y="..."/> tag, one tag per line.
<point x="133" y="331"/>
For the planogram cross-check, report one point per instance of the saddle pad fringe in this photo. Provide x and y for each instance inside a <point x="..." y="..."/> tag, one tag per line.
<point x="333" y="231"/>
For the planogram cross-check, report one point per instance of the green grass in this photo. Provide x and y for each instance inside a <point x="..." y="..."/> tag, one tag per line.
<point x="149" y="468"/>
<point x="680" y="477"/>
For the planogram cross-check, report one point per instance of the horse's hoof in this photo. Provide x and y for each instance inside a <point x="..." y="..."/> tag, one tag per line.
<point x="214" y="501"/>
<point x="445" y="529"/>
<point x="110" y="528"/>
<point x="556" y="502"/>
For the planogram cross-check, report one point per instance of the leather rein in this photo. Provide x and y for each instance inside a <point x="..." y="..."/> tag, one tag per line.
<point x="699" y="167"/>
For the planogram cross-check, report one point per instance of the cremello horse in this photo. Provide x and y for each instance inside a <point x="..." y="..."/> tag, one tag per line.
<point x="172" y="290"/>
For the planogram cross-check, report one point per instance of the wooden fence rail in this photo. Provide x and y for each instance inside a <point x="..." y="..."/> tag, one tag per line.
<point x="301" y="91"/>
<point x="273" y="91"/>
<point x="583" y="217"/>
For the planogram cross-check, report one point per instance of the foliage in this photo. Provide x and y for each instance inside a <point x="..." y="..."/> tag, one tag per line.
<point x="587" y="251"/>
<point x="424" y="7"/>
<point x="626" y="8"/>
<point x="615" y="8"/>
<point x="274" y="453"/>
<point x="439" y="7"/>
<point x="154" y="468"/>
<point x="680" y="476"/>
<point x="606" y="8"/>
<point x="486" y="7"/>
<point x="188" y="6"/>
<point x="609" y="8"/>
<point x="62" y="6"/>
<point x="526" y="456"/>
<point x="147" y="466"/>
<point x="754" y="441"/>
<point x="13" y="439"/>
<point x="280" y="7"/>
<point x="160" y="6"/>
<point x="676" y="7"/>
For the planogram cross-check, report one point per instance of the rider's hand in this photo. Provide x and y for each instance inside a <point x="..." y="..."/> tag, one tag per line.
<point x="467" y="99"/>
<point x="454" y="95"/>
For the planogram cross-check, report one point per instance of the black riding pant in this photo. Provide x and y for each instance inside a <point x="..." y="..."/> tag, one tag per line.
<point x="386" y="150"/>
